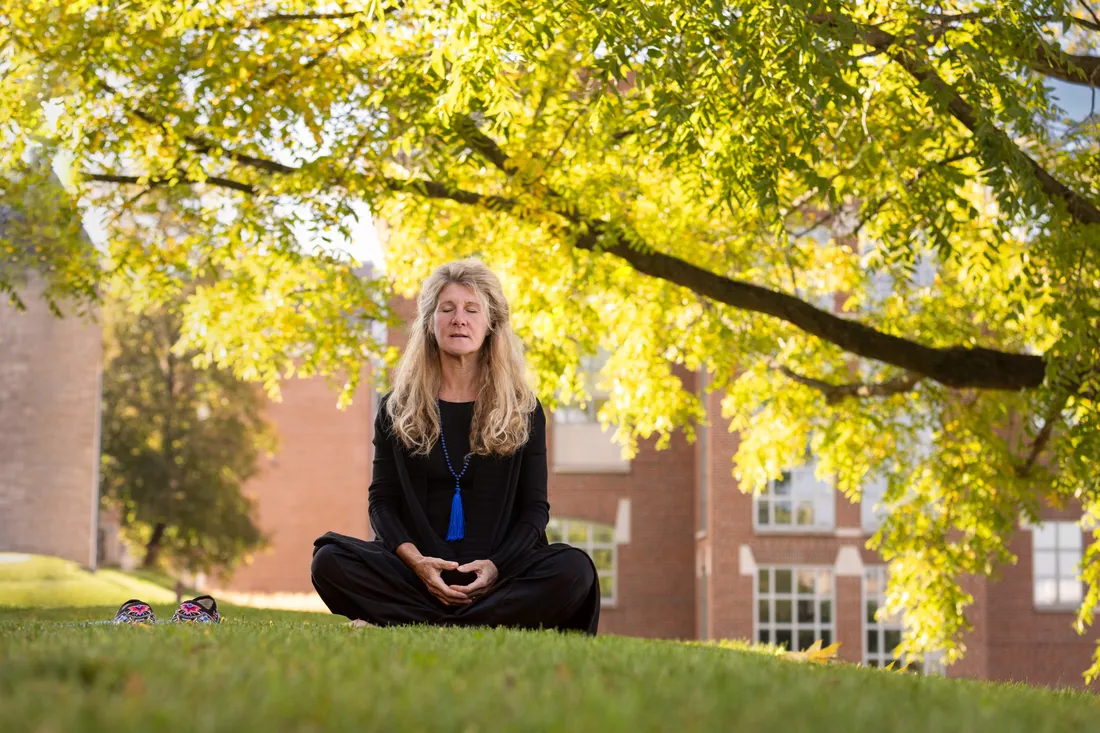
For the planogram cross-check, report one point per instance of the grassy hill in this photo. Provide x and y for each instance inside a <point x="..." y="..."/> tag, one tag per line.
<point x="48" y="582"/>
<point x="282" y="671"/>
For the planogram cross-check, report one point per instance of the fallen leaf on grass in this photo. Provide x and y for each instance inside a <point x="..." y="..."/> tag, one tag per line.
<point x="814" y="654"/>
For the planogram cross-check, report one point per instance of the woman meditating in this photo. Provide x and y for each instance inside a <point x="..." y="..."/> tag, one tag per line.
<point x="458" y="494"/>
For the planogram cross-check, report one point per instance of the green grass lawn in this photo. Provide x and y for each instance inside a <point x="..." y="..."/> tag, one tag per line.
<point x="48" y="582"/>
<point x="282" y="671"/>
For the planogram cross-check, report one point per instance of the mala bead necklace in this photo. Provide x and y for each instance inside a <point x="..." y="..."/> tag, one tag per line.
<point x="456" y="530"/>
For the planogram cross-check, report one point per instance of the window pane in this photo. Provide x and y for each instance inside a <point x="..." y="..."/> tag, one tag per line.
<point x="763" y="637"/>
<point x="1069" y="591"/>
<point x="603" y="533"/>
<point x="806" y="582"/>
<point x="783" y="513"/>
<point x="1067" y="564"/>
<point x="825" y="611"/>
<point x="805" y="612"/>
<point x="783" y="611"/>
<point x="872" y="606"/>
<point x="891" y="639"/>
<point x="762" y="583"/>
<point x="762" y="513"/>
<point x="782" y="581"/>
<point x="783" y="638"/>
<point x="576" y="533"/>
<point x="872" y="641"/>
<point x="607" y="586"/>
<point x="826" y="637"/>
<point x="871" y="580"/>
<point x="1044" y="564"/>
<point x="763" y="614"/>
<point x="1069" y="536"/>
<point x="804" y="516"/>
<point x="1046" y="591"/>
<point x="782" y="486"/>
<point x="805" y="638"/>
<point x="824" y="582"/>
<point x="603" y="559"/>
<point x="1044" y="536"/>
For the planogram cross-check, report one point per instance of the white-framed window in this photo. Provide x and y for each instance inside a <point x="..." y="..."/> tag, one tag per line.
<point x="1055" y="555"/>
<point x="793" y="606"/>
<point x="580" y="443"/>
<point x="871" y="512"/>
<point x="797" y="501"/>
<point x="574" y="414"/>
<point x="882" y="635"/>
<point x="598" y="540"/>
<point x="590" y="367"/>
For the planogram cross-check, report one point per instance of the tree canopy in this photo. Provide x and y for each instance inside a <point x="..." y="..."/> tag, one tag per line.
<point x="179" y="443"/>
<point x="675" y="183"/>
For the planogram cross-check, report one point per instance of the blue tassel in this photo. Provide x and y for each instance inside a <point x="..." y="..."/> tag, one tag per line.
<point x="456" y="530"/>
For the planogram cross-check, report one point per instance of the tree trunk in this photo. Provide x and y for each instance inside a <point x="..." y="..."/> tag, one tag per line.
<point x="152" y="550"/>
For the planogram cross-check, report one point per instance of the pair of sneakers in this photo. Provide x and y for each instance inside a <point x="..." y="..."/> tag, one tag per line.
<point x="201" y="609"/>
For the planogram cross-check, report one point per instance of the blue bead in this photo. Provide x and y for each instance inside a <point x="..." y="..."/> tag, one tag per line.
<point x="456" y="530"/>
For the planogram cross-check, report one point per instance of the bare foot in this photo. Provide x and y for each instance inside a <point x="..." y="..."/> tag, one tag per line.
<point x="360" y="623"/>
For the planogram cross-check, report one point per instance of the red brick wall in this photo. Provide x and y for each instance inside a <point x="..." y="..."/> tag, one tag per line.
<point x="1029" y="645"/>
<point x="49" y="430"/>
<point x="656" y="585"/>
<point x="730" y="526"/>
<point x="317" y="481"/>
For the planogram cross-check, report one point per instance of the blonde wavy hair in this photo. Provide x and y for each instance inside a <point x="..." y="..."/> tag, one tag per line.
<point x="504" y="402"/>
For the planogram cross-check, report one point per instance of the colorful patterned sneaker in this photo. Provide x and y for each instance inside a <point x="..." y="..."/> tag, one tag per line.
<point x="134" y="611"/>
<point x="202" y="609"/>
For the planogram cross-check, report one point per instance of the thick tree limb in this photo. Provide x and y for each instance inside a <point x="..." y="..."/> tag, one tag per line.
<point x="1072" y="68"/>
<point x="958" y="366"/>
<point x="835" y="393"/>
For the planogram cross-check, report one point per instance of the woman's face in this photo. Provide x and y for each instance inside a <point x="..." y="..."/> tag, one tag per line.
<point x="460" y="321"/>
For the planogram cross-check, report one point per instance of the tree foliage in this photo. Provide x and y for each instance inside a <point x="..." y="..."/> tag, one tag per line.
<point x="179" y="442"/>
<point x="677" y="183"/>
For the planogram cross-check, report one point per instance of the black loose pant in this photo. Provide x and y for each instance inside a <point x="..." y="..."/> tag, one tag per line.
<point x="380" y="589"/>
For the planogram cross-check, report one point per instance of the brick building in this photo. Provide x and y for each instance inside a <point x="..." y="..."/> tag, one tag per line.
<point x="49" y="407"/>
<point x="682" y="552"/>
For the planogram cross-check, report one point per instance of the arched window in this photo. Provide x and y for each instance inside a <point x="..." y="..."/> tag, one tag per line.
<point x="598" y="540"/>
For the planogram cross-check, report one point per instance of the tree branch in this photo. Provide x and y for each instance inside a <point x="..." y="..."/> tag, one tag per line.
<point x="295" y="17"/>
<point x="1078" y="206"/>
<point x="1072" y="68"/>
<point x="1042" y="437"/>
<point x="206" y="145"/>
<point x="162" y="181"/>
<point x="945" y="19"/>
<point x="835" y="393"/>
<point x="957" y="366"/>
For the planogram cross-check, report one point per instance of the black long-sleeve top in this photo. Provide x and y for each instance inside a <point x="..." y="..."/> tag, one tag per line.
<point x="392" y="516"/>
